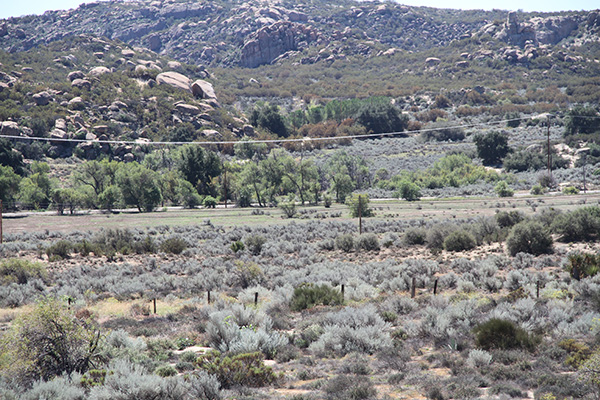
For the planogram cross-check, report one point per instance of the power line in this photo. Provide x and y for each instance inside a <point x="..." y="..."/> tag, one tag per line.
<point x="305" y="139"/>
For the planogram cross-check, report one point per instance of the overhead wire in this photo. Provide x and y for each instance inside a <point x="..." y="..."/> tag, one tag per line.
<point x="281" y="140"/>
<point x="252" y="141"/>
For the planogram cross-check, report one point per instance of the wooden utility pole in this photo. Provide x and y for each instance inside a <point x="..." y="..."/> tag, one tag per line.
<point x="1" y="221"/>
<point x="359" y="214"/>
<point x="225" y="183"/>
<point x="584" y="161"/>
<point x="549" y="154"/>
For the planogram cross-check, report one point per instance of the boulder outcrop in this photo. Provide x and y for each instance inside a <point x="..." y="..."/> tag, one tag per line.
<point x="97" y="71"/>
<point x="274" y="40"/>
<point x="203" y="89"/>
<point x="536" y="31"/>
<point x="174" y="79"/>
<point x="42" y="98"/>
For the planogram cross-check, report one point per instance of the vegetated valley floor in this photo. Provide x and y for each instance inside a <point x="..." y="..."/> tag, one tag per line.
<point x="385" y="209"/>
<point x="433" y="350"/>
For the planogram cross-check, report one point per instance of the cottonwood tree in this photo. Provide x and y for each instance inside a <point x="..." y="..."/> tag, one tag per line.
<point x="199" y="167"/>
<point x="99" y="176"/>
<point x="139" y="186"/>
<point x="492" y="147"/>
<point x="9" y="184"/>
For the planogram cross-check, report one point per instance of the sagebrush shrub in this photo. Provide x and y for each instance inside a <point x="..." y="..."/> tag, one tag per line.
<point x="61" y="249"/>
<point x="239" y="331"/>
<point x="20" y="271"/>
<point x="367" y="242"/>
<point x="255" y="243"/>
<point x="350" y="330"/>
<point x="503" y="334"/>
<point x="243" y="369"/>
<point x="479" y="358"/>
<point x="345" y="242"/>
<point x="350" y="387"/>
<point x="308" y="296"/>
<point x="459" y="240"/>
<point x="62" y="387"/>
<point x="529" y="237"/>
<point x="174" y="245"/>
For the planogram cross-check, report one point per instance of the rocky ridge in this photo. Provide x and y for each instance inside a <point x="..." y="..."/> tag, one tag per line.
<point x="253" y="33"/>
<point x="119" y="93"/>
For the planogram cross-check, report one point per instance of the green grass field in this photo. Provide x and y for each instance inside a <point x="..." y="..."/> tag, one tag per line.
<point x="428" y="209"/>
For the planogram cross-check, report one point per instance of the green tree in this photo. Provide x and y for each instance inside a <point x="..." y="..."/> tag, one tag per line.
<point x="110" y="198"/>
<point x="36" y="189"/>
<point x="66" y="199"/>
<point x="297" y="175"/>
<point x="187" y="194"/>
<point x="380" y="116"/>
<point x="303" y="174"/>
<point x="503" y="190"/>
<point x="200" y="167"/>
<point x="492" y="147"/>
<point x="139" y="186"/>
<point x="408" y="190"/>
<point x="359" y="202"/>
<point x="48" y="342"/>
<point x="184" y="132"/>
<point x="249" y="151"/>
<point x="272" y="171"/>
<point x="355" y="167"/>
<point x="582" y="120"/>
<point x="11" y="158"/>
<point x="9" y="185"/>
<point x="252" y="176"/>
<point x="97" y="175"/>
<point x="267" y="116"/>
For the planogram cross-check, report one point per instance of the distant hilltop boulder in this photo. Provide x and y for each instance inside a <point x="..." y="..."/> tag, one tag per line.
<point x="203" y="89"/>
<point x="97" y="71"/>
<point x="274" y="40"/>
<point x="174" y="79"/>
<point x="536" y="31"/>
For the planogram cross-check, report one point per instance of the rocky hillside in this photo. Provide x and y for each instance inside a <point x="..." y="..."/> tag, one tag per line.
<point x="92" y="89"/>
<point x="252" y="33"/>
<point x="145" y="70"/>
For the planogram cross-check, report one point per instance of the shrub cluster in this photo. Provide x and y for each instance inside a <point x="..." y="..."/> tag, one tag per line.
<point x="503" y="334"/>
<point x="20" y="271"/>
<point x="245" y="369"/>
<point x="309" y="295"/>
<point x="529" y="237"/>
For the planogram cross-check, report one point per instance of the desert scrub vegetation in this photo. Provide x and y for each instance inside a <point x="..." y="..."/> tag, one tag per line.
<point x="284" y="303"/>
